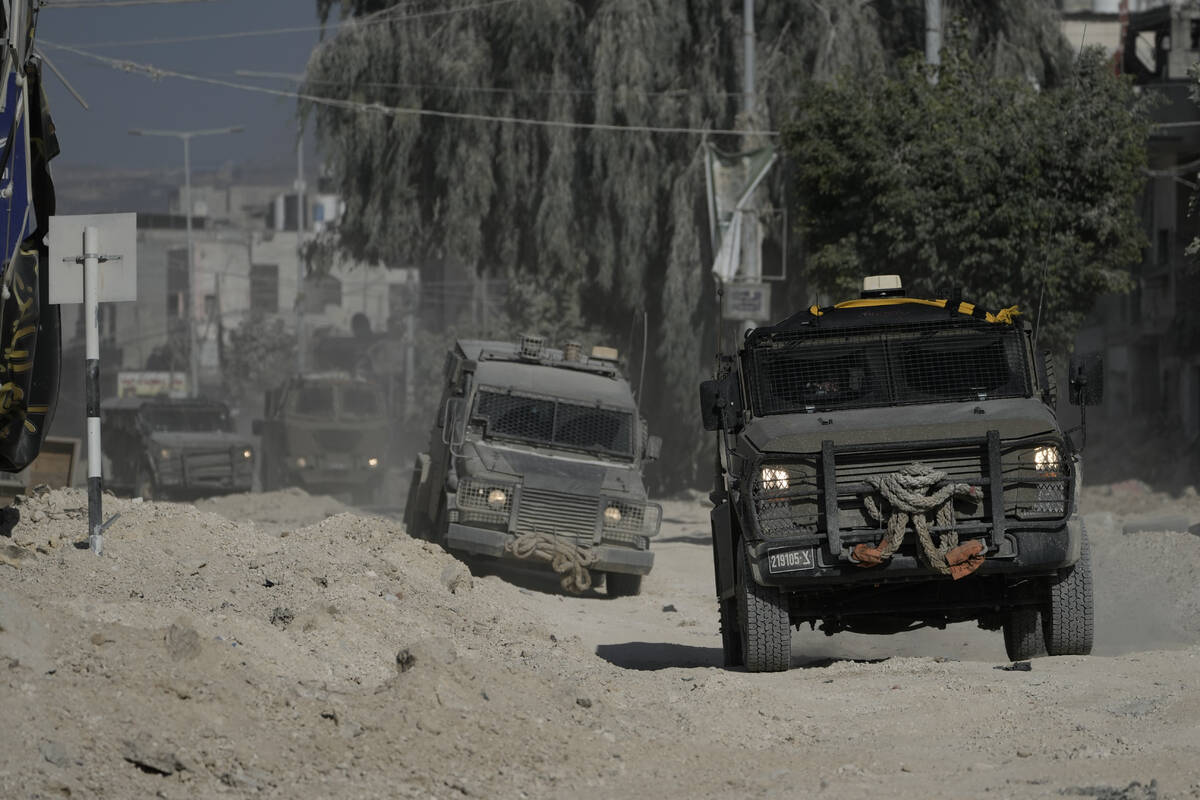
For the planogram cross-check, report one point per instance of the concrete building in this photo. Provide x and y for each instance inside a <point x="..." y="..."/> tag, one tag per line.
<point x="1151" y="337"/>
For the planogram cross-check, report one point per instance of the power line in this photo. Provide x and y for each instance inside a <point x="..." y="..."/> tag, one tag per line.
<point x="447" y="87"/>
<point x="113" y="3"/>
<point x="151" y="71"/>
<point x="350" y="24"/>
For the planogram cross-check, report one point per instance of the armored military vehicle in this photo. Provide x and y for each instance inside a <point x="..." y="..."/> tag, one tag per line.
<point x="537" y="453"/>
<point x="890" y="463"/>
<point x="159" y="447"/>
<point x="327" y="433"/>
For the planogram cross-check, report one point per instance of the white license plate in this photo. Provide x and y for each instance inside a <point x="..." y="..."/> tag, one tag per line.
<point x="800" y="558"/>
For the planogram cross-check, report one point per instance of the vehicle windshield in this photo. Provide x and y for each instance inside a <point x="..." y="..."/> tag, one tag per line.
<point x="939" y="362"/>
<point x="554" y="422"/>
<point x="359" y="401"/>
<point x="187" y="419"/>
<point x="312" y="400"/>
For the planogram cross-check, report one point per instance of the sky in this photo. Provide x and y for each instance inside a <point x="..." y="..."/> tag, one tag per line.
<point x="120" y="101"/>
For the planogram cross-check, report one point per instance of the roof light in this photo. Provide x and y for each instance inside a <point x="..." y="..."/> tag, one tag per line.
<point x="604" y="353"/>
<point x="882" y="286"/>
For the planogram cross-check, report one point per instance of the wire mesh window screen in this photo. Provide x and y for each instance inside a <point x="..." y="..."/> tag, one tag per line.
<point x="858" y="368"/>
<point x="553" y="422"/>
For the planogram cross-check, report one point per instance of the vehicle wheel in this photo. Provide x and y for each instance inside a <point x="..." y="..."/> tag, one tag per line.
<point x="763" y="620"/>
<point x="1023" y="637"/>
<point x="415" y="523"/>
<point x="144" y="485"/>
<point x="621" y="584"/>
<point x="731" y="637"/>
<point x="1069" y="618"/>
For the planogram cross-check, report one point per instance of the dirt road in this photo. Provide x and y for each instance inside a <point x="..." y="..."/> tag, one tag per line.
<point x="281" y="645"/>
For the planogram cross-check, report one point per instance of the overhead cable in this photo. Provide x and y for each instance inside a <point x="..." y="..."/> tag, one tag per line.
<point x="504" y="90"/>
<point x="151" y="71"/>
<point x="350" y="24"/>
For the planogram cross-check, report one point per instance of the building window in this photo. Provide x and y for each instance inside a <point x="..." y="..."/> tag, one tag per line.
<point x="264" y="288"/>
<point x="1162" y="248"/>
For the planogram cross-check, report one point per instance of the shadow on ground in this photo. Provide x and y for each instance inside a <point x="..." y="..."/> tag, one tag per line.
<point x="651" y="656"/>
<point x="534" y="578"/>
<point x="658" y="655"/>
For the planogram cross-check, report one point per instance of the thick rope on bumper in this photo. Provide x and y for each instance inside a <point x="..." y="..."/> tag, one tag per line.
<point x="907" y="493"/>
<point x="565" y="557"/>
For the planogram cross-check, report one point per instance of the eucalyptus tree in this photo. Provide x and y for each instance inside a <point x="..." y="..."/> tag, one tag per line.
<point x="443" y="131"/>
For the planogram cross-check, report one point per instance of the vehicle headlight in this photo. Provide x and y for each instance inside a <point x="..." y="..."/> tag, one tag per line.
<point x="1047" y="460"/>
<point x="301" y="462"/>
<point x="372" y="462"/>
<point x="612" y="515"/>
<point x="774" y="478"/>
<point x="497" y="498"/>
<point x="247" y="454"/>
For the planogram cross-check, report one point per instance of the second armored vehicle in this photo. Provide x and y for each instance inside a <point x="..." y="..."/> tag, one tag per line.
<point x="326" y="433"/>
<point x="538" y="453"/>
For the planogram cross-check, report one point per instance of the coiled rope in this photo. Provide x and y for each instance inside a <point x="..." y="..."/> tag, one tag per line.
<point x="907" y="493"/>
<point x="565" y="557"/>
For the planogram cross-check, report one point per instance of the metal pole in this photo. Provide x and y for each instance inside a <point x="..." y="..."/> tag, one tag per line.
<point x="748" y="55"/>
<point x="301" y="203"/>
<point x="190" y="305"/>
<point x="91" y="329"/>
<point x="410" y="360"/>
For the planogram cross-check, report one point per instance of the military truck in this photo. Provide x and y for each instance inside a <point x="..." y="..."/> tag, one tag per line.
<point x="537" y="453"/>
<point x="890" y="463"/>
<point x="327" y="433"/>
<point x="160" y="447"/>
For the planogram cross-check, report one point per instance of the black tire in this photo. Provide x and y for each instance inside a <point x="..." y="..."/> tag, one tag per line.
<point x="622" y="584"/>
<point x="766" y="630"/>
<point x="1023" y="636"/>
<point x="415" y="522"/>
<point x="731" y="636"/>
<point x="1069" y="619"/>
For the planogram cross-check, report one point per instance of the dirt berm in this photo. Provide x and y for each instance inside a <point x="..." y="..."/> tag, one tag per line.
<point x="283" y="645"/>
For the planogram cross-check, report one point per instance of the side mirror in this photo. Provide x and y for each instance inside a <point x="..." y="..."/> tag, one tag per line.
<point x="1047" y="379"/>
<point x="256" y="427"/>
<point x="653" y="448"/>
<point x="719" y="406"/>
<point x="1087" y="379"/>
<point x="452" y="433"/>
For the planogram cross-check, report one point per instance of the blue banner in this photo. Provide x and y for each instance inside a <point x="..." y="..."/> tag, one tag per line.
<point x="16" y="209"/>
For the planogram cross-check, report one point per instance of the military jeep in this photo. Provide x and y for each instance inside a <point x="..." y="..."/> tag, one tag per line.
<point x="325" y="432"/>
<point x="159" y="447"/>
<point x="537" y="453"/>
<point x="890" y="463"/>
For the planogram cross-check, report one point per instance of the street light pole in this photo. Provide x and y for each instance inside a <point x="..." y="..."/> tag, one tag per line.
<point x="190" y="294"/>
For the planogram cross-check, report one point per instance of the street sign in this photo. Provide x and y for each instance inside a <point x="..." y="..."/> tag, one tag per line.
<point x="117" y="237"/>
<point x="747" y="301"/>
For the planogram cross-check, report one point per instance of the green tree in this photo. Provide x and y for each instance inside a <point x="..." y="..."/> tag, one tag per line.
<point x="1017" y="195"/>
<point x="591" y="226"/>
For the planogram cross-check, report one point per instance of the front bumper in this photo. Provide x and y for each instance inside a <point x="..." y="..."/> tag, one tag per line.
<point x="1023" y="553"/>
<point x="485" y="542"/>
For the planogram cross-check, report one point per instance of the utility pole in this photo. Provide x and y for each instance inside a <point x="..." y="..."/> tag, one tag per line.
<point x="748" y="55"/>
<point x="301" y="208"/>
<point x="751" y="261"/>
<point x="190" y="297"/>
<point x="933" y="34"/>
